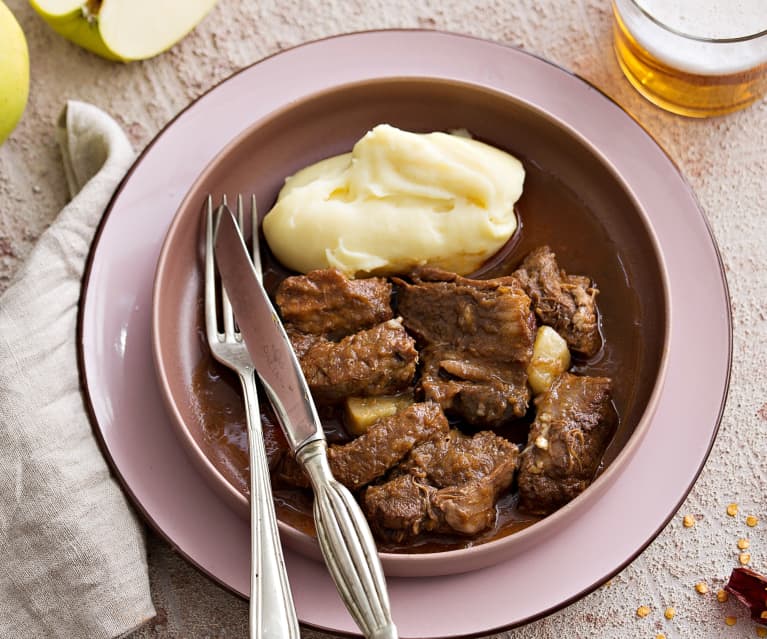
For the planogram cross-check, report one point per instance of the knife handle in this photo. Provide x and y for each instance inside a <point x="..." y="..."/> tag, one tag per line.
<point x="347" y="546"/>
<point x="272" y="613"/>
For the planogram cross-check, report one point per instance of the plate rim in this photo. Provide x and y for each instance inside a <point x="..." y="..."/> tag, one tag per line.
<point x="88" y="269"/>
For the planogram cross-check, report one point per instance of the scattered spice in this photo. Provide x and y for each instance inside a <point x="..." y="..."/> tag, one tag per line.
<point x="744" y="558"/>
<point x="732" y="510"/>
<point x="743" y="543"/>
<point x="752" y="521"/>
<point x="750" y="589"/>
<point x="730" y="621"/>
<point x="701" y="587"/>
<point x="688" y="521"/>
<point x="722" y="596"/>
<point x="670" y="612"/>
<point x="643" y="611"/>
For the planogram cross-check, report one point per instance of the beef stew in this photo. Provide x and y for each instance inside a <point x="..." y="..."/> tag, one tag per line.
<point x="507" y="517"/>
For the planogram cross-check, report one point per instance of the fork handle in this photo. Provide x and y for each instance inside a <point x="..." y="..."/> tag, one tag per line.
<point x="272" y="613"/>
<point x="347" y="546"/>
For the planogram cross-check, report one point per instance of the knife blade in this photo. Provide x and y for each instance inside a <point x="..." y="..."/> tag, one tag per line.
<point x="343" y="533"/>
<point x="265" y="337"/>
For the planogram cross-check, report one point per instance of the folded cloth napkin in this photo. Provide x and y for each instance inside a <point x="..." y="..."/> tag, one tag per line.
<point x="72" y="554"/>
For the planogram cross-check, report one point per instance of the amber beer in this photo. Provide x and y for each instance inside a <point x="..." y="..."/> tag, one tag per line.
<point x="693" y="57"/>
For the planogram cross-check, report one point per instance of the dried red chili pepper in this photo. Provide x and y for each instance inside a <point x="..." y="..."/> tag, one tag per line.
<point x="750" y="588"/>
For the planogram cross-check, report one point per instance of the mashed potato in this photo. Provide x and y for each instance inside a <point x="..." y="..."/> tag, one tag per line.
<point x="398" y="200"/>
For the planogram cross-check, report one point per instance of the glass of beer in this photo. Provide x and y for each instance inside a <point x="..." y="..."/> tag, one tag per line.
<point x="698" y="58"/>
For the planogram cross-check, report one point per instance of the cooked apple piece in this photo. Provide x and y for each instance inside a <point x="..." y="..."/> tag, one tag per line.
<point x="551" y="358"/>
<point x="363" y="412"/>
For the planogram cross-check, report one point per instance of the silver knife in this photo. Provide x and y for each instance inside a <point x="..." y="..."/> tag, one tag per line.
<point x="345" y="539"/>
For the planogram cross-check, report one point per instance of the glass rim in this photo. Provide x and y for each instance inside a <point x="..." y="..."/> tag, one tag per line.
<point x="688" y="36"/>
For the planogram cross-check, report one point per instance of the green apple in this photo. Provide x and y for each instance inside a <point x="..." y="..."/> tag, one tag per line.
<point x="123" y="29"/>
<point x="14" y="72"/>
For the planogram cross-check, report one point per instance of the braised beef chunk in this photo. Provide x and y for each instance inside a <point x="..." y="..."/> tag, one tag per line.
<point x="326" y="302"/>
<point x="470" y="508"/>
<point x="400" y="508"/>
<point x="385" y="444"/>
<point x="375" y="355"/>
<point x="377" y="361"/>
<point x="486" y="319"/>
<point x="382" y="447"/>
<point x="405" y="507"/>
<point x="409" y="504"/>
<point x="455" y="458"/>
<point x="573" y="425"/>
<point x="565" y="302"/>
<point x="484" y="394"/>
<point x="478" y="340"/>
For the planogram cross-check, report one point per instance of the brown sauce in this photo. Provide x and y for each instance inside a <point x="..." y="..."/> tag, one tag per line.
<point x="549" y="213"/>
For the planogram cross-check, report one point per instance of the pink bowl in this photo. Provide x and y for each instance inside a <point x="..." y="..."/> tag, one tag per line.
<point x="636" y="310"/>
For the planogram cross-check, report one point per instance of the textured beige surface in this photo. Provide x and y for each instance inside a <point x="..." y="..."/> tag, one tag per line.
<point x="724" y="159"/>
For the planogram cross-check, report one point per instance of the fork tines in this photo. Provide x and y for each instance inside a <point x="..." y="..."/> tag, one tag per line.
<point x="211" y="226"/>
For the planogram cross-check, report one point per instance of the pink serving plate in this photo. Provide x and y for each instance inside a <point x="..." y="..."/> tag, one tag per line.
<point x="127" y="407"/>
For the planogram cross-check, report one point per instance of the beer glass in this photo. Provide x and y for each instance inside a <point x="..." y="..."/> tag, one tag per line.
<point x="698" y="58"/>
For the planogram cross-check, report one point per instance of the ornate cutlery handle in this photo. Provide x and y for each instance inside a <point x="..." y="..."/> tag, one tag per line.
<point x="272" y="614"/>
<point x="347" y="546"/>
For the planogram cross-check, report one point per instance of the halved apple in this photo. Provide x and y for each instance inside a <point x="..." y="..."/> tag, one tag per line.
<point x="123" y="29"/>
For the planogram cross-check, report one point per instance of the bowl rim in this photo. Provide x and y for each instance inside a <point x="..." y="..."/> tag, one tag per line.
<point x="433" y="563"/>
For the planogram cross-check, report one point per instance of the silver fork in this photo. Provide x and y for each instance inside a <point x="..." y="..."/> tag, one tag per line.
<point x="272" y="613"/>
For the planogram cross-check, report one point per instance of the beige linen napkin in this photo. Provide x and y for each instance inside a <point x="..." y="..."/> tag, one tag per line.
<point x="72" y="555"/>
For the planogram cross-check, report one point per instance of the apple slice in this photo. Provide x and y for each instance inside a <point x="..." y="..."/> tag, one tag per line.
<point x="123" y="29"/>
